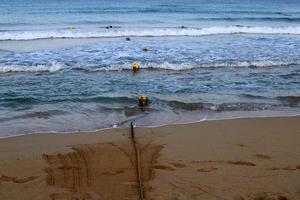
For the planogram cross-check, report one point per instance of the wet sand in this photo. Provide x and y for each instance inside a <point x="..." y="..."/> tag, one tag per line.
<point x="229" y="159"/>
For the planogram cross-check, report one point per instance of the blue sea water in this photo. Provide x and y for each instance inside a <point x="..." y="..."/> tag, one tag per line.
<point x="66" y="66"/>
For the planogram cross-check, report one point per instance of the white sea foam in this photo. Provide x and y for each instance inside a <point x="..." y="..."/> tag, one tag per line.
<point x="39" y="68"/>
<point x="103" y="33"/>
<point x="181" y="67"/>
<point x="164" y="66"/>
<point x="264" y="63"/>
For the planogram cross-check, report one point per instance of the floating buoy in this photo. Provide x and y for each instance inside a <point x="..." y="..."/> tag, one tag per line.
<point x="135" y="67"/>
<point x="143" y="101"/>
<point x="128" y="39"/>
<point x="71" y="27"/>
<point x="145" y="49"/>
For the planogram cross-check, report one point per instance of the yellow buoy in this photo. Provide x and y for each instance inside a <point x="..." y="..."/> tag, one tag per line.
<point x="71" y="27"/>
<point x="135" y="67"/>
<point x="143" y="100"/>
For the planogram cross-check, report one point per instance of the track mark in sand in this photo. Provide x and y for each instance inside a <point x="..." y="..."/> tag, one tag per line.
<point x="209" y="169"/>
<point x="113" y="173"/>
<point x="262" y="156"/>
<point x="97" y="171"/>
<point x="288" y="168"/>
<point x="232" y="162"/>
<point x="4" y="178"/>
<point x="241" y="163"/>
<point x="179" y="165"/>
<point x="164" y="167"/>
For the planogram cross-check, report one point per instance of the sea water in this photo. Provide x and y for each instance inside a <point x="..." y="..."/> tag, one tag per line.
<point x="66" y="66"/>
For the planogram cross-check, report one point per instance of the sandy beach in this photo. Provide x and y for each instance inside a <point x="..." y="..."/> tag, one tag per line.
<point x="229" y="159"/>
<point x="150" y="100"/>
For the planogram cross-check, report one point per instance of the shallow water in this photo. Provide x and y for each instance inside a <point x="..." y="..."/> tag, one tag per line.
<point x="61" y="69"/>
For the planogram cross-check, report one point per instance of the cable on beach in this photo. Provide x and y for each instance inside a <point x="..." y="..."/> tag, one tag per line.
<point x="137" y="163"/>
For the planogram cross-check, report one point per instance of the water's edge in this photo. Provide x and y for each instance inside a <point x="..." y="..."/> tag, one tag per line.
<point x="153" y="126"/>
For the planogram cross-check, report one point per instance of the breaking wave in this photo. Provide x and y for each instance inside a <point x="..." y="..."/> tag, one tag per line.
<point x="181" y="67"/>
<point x="39" y="68"/>
<point x="163" y="32"/>
<point x="150" y="66"/>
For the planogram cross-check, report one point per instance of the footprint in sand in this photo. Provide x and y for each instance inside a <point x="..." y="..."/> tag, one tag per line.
<point x="266" y="196"/>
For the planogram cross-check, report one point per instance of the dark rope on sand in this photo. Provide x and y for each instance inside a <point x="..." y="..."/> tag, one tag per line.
<point x="138" y="163"/>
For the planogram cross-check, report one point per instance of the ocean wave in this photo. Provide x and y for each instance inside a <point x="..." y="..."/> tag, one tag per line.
<point x="234" y="106"/>
<point x="252" y="96"/>
<point x="182" y="67"/>
<point x="4" y="52"/>
<point x="148" y="66"/>
<point x="38" y="68"/>
<point x="35" y="114"/>
<point x="160" y="9"/>
<point x="291" y="101"/>
<point x="163" y="32"/>
<point x="276" y="19"/>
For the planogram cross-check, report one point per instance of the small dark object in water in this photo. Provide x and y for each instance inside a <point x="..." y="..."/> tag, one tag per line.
<point x="143" y="101"/>
<point x="108" y="27"/>
<point x="128" y="39"/>
<point x="145" y="49"/>
<point x="183" y="27"/>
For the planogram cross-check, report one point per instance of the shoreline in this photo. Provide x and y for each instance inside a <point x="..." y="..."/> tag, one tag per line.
<point x="155" y="126"/>
<point x="243" y="159"/>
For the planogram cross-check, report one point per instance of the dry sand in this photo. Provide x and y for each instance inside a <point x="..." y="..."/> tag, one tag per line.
<point x="230" y="159"/>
